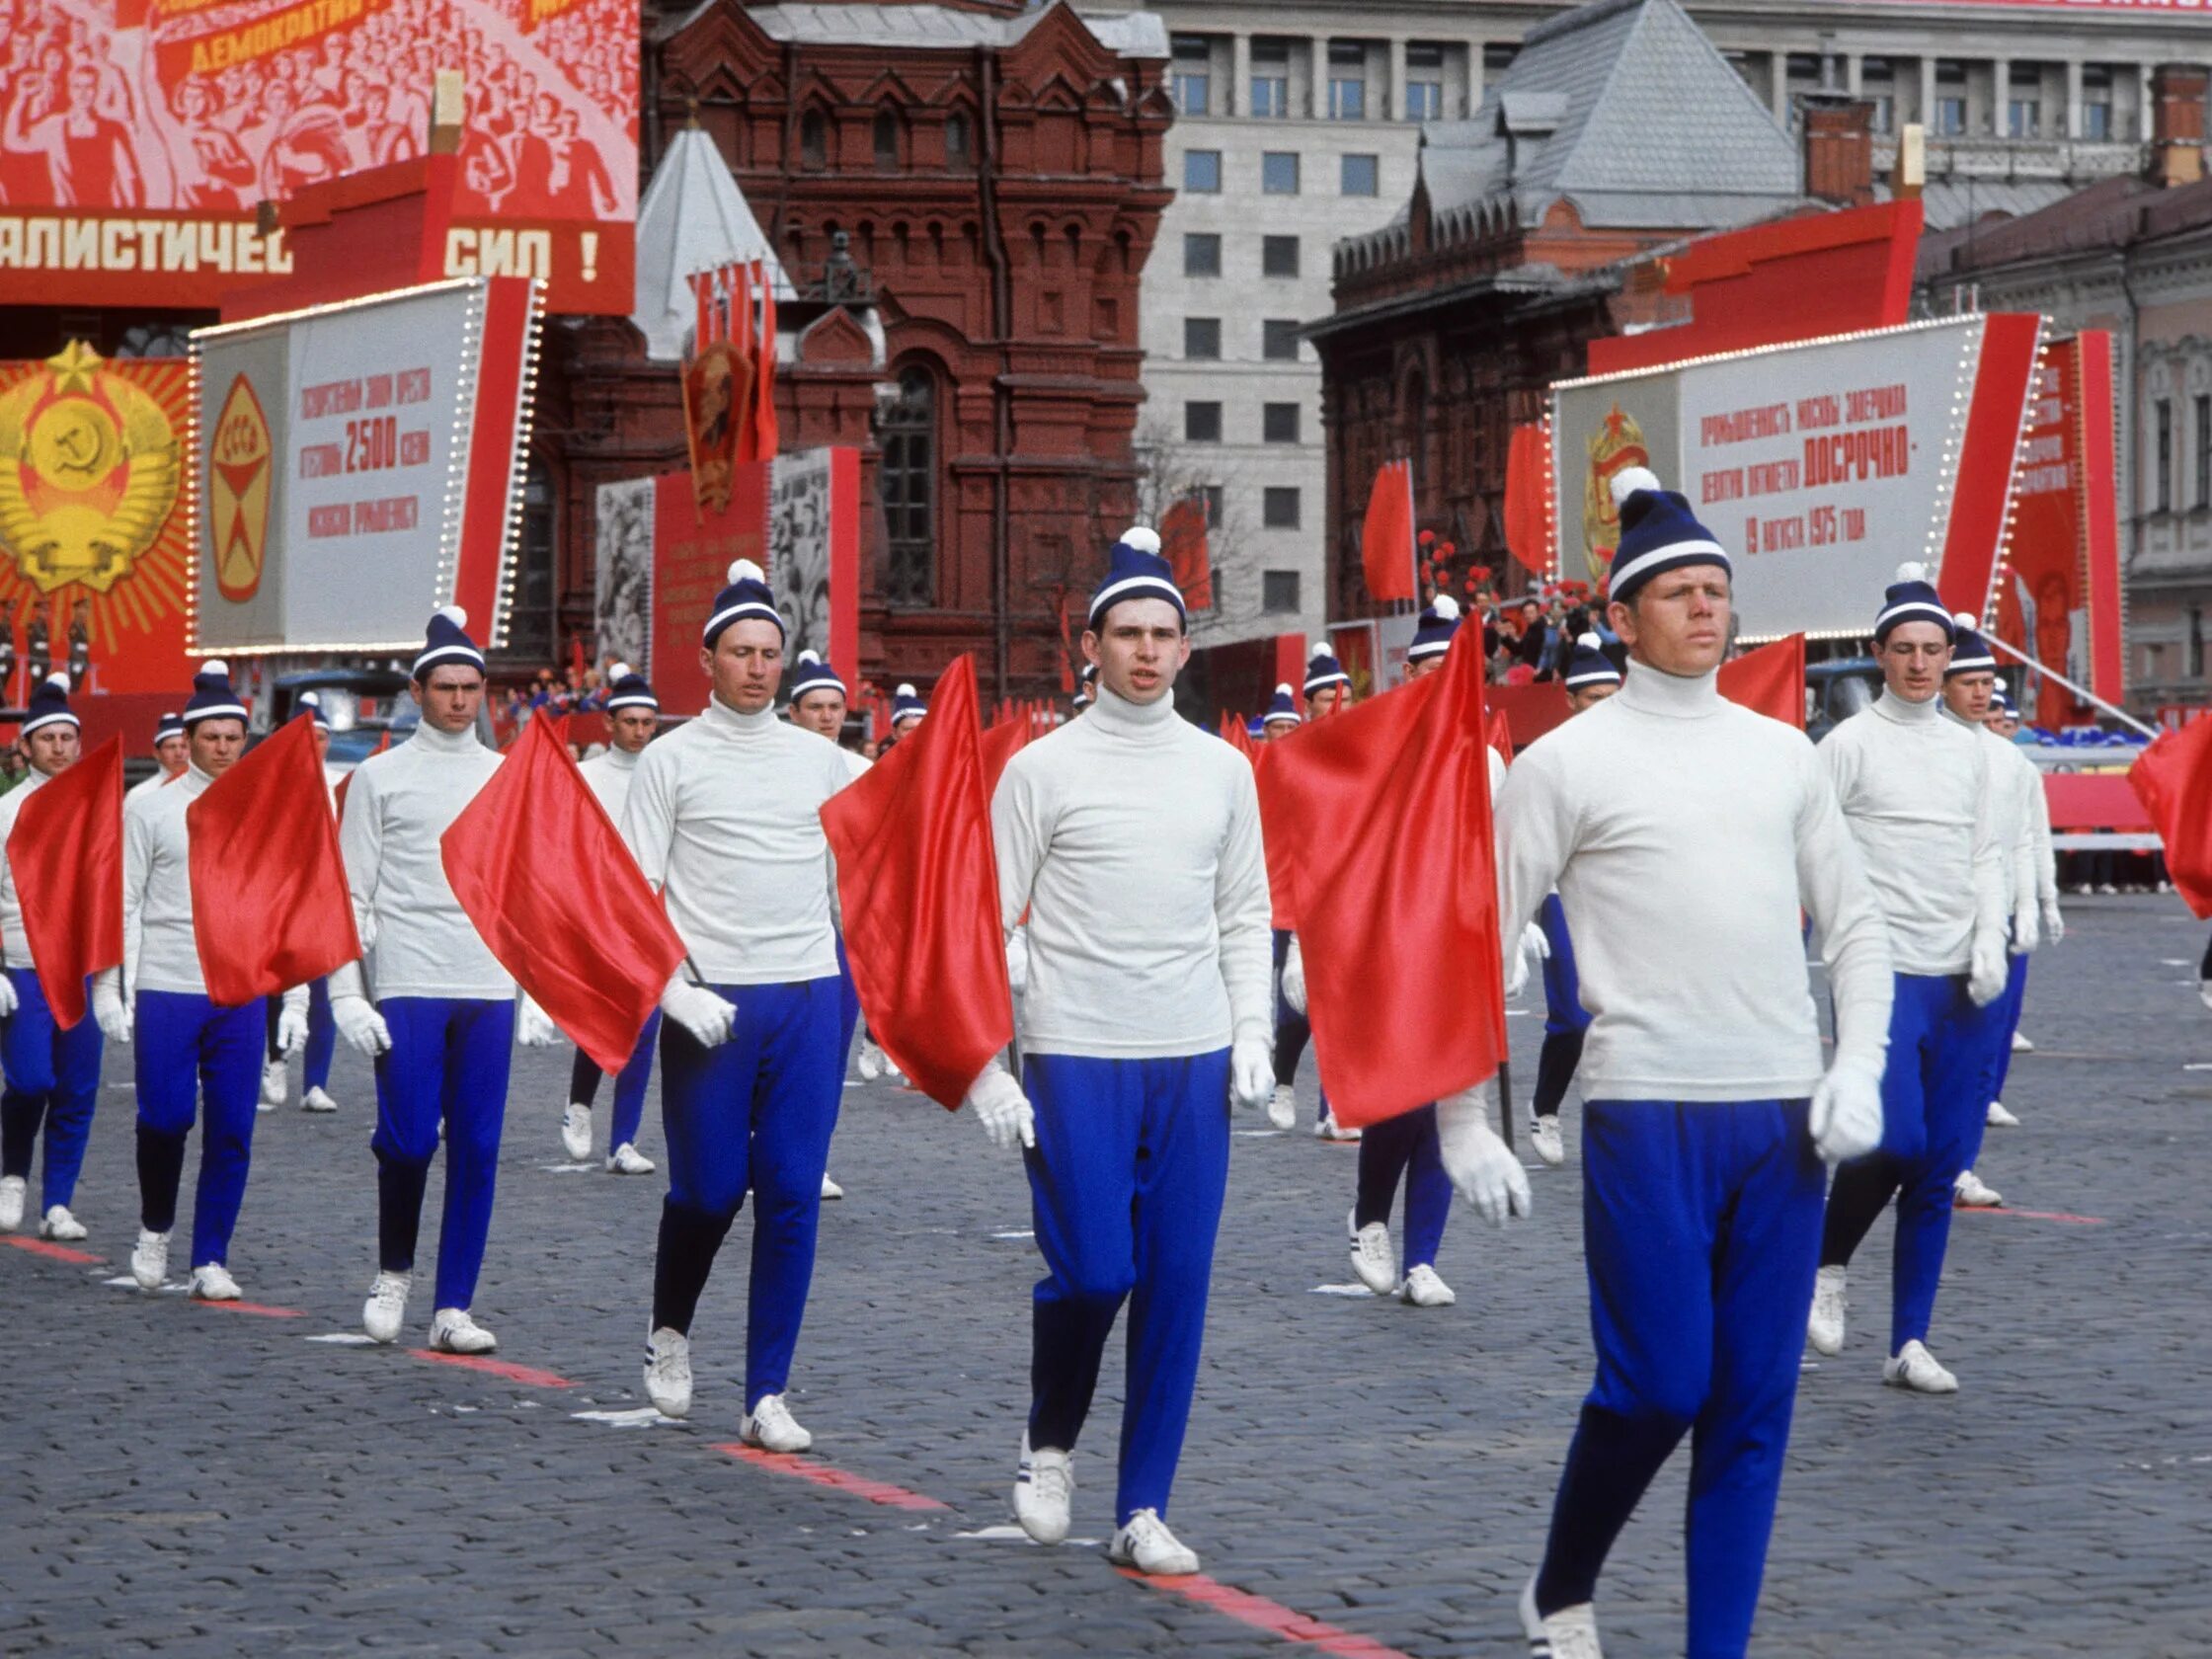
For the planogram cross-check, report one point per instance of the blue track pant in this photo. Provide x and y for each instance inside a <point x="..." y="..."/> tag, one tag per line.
<point x="1935" y="1107"/>
<point x="1565" y="1021"/>
<point x="629" y="1085"/>
<point x="753" y="1115"/>
<point x="449" y="1061"/>
<point x="2007" y="1024"/>
<point x="1126" y="1183"/>
<point x="1405" y="1145"/>
<point x="1702" y="1223"/>
<point x="191" y="1054"/>
<point x="53" y="1083"/>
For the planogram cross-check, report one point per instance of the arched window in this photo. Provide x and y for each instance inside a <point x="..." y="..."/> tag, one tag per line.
<point x="529" y="623"/>
<point x="908" y="478"/>
<point x="959" y="143"/>
<point x="887" y="141"/>
<point x="814" y="139"/>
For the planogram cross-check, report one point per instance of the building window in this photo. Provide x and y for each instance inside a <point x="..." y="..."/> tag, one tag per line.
<point x="2097" y="119"/>
<point x="2196" y="641"/>
<point x="1347" y="80"/>
<point x="959" y="143"/>
<point x="1279" y="422"/>
<point x="1193" y="76"/>
<point x="1270" y="78"/>
<point x="1279" y="339"/>
<point x="1950" y="118"/>
<point x="1202" y="338"/>
<point x="1279" y="505"/>
<point x="1279" y="173"/>
<point x="1210" y="495"/>
<point x="529" y="623"/>
<point x="1278" y="255"/>
<point x="2163" y="426"/>
<point x="2023" y="117"/>
<point x="814" y="139"/>
<point x="1885" y="112"/>
<point x="1498" y="56"/>
<point x="1360" y="175"/>
<point x="1202" y="172"/>
<point x="887" y="141"/>
<point x="1201" y="422"/>
<point x="1950" y="98"/>
<point x="1424" y="101"/>
<point x="907" y="480"/>
<point x="1279" y="590"/>
<point x="1202" y="254"/>
<point x="2203" y="450"/>
<point x="2096" y="101"/>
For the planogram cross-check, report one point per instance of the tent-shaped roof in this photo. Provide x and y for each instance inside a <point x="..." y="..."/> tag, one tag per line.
<point x="694" y="218"/>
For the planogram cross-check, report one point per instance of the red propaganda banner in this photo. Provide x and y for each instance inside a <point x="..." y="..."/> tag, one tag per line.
<point x="1182" y="542"/>
<point x="1386" y="554"/>
<point x="138" y="146"/>
<point x="1770" y="681"/>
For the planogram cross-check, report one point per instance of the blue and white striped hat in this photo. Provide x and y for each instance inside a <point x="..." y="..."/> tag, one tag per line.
<point x="1970" y="653"/>
<point x="1281" y="708"/>
<point x="1588" y="665"/>
<point x="1086" y="688"/>
<point x="49" y="705"/>
<point x="907" y="704"/>
<point x="446" y="641"/>
<point x="1658" y="533"/>
<point x="1913" y="598"/>
<point x="627" y="689"/>
<point x="211" y="697"/>
<point x="1323" y="671"/>
<point x="747" y="595"/>
<point x="814" y="675"/>
<point x="311" y="703"/>
<point x="1432" y="633"/>
<point x="1136" y="571"/>
<point x="171" y="725"/>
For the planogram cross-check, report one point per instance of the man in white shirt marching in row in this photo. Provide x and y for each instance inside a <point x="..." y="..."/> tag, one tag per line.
<point x="1132" y="840"/>
<point x="52" y="1074"/>
<point x="428" y="1002"/>
<point x="633" y="715"/>
<point x="724" y="816"/>
<point x="171" y="754"/>
<point x="818" y="704"/>
<point x="322" y="1031"/>
<point x="1916" y="790"/>
<point x="1683" y="835"/>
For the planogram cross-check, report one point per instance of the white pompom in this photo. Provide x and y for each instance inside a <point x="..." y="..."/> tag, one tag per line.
<point x="1628" y="480"/>
<point x="58" y="679"/>
<point x="1282" y="690"/>
<point x="810" y="656"/>
<point x="309" y="700"/>
<point x="1446" y="609"/>
<point x="1590" y="642"/>
<point x="217" y="666"/>
<point x="905" y="690"/>
<point x="745" y="570"/>
<point x="1320" y="655"/>
<point x="454" y="614"/>
<point x="1143" y="539"/>
<point x="1966" y="619"/>
<point x="1912" y="571"/>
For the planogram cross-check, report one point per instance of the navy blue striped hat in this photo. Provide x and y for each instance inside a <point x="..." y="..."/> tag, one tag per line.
<point x="1323" y="671"/>
<point x="1911" y="597"/>
<point x="907" y="704"/>
<point x="313" y="705"/>
<point x="627" y="689"/>
<point x="814" y="675"/>
<point x="747" y="595"/>
<point x="1134" y="570"/>
<point x="1590" y="666"/>
<point x="171" y="725"/>
<point x="211" y="697"/>
<point x="1432" y="633"/>
<point x="446" y="641"/>
<point x="1658" y="533"/>
<point x="1280" y="707"/>
<point x="49" y="705"/>
<point x="1970" y="653"/>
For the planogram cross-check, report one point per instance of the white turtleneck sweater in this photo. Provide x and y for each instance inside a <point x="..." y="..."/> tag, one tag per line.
<point x="608" y="776"/>
<point x="1915" y="788"/>
<point x="147" y="785"/>
<point x="416" y="938"/>
<point x="159" y="950"/>
<point x="724" y="817"/>
<point x="1132" y="838"/>
<point x="15" y="944"/>
<point x="2014" y="786"/>
<point x="1683" y="835"/>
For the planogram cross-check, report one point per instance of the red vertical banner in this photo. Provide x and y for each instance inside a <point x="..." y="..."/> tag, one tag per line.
<point x="2097" y="445"/>
<point x="1182" y="544"/>
<point x="691" y="559"/>
<point x="845" y="558"/>
<point x="498" y="449"/>
<point x="1997" y="416"/>
<point x="1386" y="551"/>
<point x="1528" y="497"/>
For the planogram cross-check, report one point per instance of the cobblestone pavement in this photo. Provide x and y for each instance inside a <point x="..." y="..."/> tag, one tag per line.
<point x="197" y="1480"/>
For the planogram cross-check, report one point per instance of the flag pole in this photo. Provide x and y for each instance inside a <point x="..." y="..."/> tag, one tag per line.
<point x="2081" y="691"/>
<point x="1412" y="532"/>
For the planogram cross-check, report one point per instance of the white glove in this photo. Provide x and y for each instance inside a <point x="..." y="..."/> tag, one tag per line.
<point x="361" y="1026"/>
<point x="292" y="1026"/>
<point x="533" y="1026"/>
<point x="111" y="1008"/>
<point x="2054" y="921"/>
<point x="1002" y="1108"/>
<point x="2027" y="932"/>
<point x="706" y="1016"/>
<point x="1847" y="1113"/>
<point x="1017" y="961"/>
<point x="1293" y="978"/>
<point x="1251" y="1073"/>
<point x="1480" y="1165"/>
<point x="1534" y="945"/>
<point x="7" y="997"/>
<point x="1987" y="970"/>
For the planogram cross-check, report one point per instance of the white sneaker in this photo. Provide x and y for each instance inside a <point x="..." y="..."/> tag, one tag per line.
<point x="1915" y="1367"/>
<point x="60" y="1224"/>
<point x="1569" y="1633"/>
<point x="211" y="1282"/>
<point x="317" y="1099"/>
<point x="1373" y="1258"/>
<point x="1281" y="1106"/>
<point x="1971" y="1192"/>
<point x="2021" y="1044"/>
<point x="387" y="1309"/>
<point x="1543" y="1134"/>
<point x="2000" y="1118"/>
<point x="870" y="1064"/>
<point x="12" y="1191"/>
<point x="1423" y="1289"/>
<point x="1044" y="1487"/>
<point x="830" y="1191"/>
<point x="628" y="1161"/>
<point x="668" y="1372"/>
<point x="1328" y="1129"/>
<point x="149" y="1259"/>
<point x="1146" y="1544"/>
<point x="1824" y="1327"/>
<point x="576" y="1130"/>
<point x="276" y="1083"/>
<point x="771" y="1427"/>
<point x="453" y="1331"/>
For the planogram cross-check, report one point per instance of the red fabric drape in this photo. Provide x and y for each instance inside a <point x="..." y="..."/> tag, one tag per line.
<point x="1006" y="738"/>
<point x="268" y="902"/>
<point x="1528" y="497"/>
<point x="66" y="857"/>
<point x="1770" y="681"/>
<point x="538" y="866"/>
<point x="1398" y="915"/>
<point x="2173" y="778"/>
<point x="759" y="437"/>
<point x="918" y="879"/>
<point x="1387" y="535"/>
<point x="1500" y="736"/>
<point x="1182" y="544"/>
<point x="1237" y="732"/>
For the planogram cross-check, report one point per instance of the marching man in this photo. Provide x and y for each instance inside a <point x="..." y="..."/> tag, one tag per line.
<point x="1132" y="838"/>
<point x="1281" y="717"/>
<point x="52" y="1075"/>
<point x="1328" y="690"/>
<point x="434" y="1009"/>
<point x="725" y="818"/>
<point x="818" y="703"/>
<point x="186" y="1046"/>
<point x="633" y="715"/>
<point x="322" y="1031"/>
<point x="1683" y="835"/>
<point x="1916" y="791"/>
<point x="169" y="756"/>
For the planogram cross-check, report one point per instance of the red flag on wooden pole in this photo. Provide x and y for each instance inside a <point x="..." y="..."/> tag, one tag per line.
<point x="1387" y="555"/>
<point x="917" y="880"/>
<point x="762" y="431"/>
<point x="270" y="909"/>
<point x="538" y="866"/>
<point x="66" y="857"/>
<point x="1770" y="681"/>
<point x="1182" y="544"/>
<point x="2173" y="778"/>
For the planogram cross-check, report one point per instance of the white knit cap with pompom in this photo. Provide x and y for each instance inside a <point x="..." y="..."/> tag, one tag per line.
<point x="1141" y="537"/>
<point x="1590" y="642"/>
<point x="1912" y="570"/>
<point x="1628" y="480"/>
<point x="454" y="614"/>
<point x="215" y="665"/>
<point x="1446" y="606"/>
<point x="745" y="570"/>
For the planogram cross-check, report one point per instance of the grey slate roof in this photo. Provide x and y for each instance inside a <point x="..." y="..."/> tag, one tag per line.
<point x="827" y="23"/>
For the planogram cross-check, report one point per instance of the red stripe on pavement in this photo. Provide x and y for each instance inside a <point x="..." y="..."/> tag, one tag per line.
<point x="2032" y="1215"/>
<point x="1274" y="1617"/>
<point x="529" y="1375"/>
<point x="822" y="1474"/>
<point x="49" y="1249"/>
<point x="259" y="1308"/>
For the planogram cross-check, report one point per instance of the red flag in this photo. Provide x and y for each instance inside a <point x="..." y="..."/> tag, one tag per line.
<point x="762" y="432"/>
<point x="1005" y="738"/>
<point x="918" y="882"/>
<point x="1237" y="734"/>
<point x="1501" y="735"/>
<point x="1770" y="681"/>
<point x="268" y="902"/>
<point x="66" y="857"/>
<point x="536" y="863"/>
<point x="1396" y="795"/>
<point x="2173" y="778"/>
<point x="1387" y="537"/>
<point x="1182" y="544"/>
<point x="1528" y="496"/>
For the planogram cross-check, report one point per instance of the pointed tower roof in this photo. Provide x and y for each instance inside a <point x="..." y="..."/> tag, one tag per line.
<point x="693" y="218"/>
